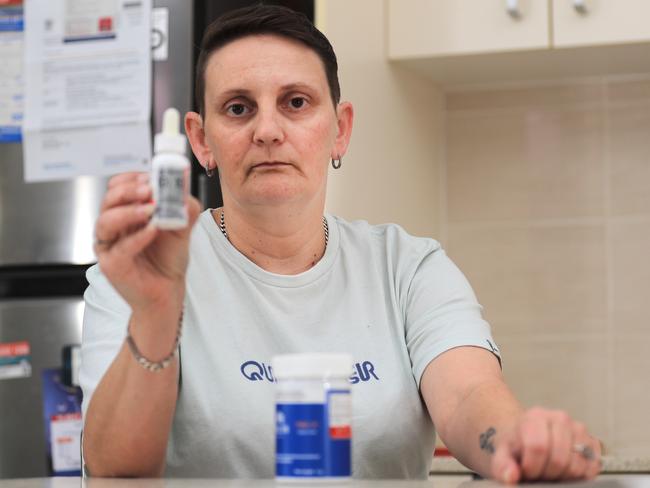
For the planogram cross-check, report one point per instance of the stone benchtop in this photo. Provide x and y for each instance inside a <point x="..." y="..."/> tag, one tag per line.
<point x="611" y="464"/>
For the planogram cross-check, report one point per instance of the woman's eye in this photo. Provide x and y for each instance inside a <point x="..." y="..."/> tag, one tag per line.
<point x="297" y="102"/>
<point x="237" y="109"/>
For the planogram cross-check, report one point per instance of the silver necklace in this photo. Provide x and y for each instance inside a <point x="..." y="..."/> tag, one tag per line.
<point x="222" y="226"/>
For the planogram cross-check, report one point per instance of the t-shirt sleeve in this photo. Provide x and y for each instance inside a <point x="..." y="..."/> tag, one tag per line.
<point x="442" y="312"/>
<point x="106" y="316"/>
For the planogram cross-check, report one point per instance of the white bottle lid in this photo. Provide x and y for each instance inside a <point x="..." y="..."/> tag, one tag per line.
<point x="170" y="140"/>
<point x="312" y="365"/>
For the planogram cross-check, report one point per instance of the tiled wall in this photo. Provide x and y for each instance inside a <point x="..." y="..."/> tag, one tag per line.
<point x="395" y="153"/>
<point x="547" y="196"/>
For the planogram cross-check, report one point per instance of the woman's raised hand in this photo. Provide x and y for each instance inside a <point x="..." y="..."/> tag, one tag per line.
<point x="145" y="265"/>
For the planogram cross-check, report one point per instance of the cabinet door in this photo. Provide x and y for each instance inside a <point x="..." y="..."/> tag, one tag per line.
<point x="600" y="22"/>
<point x="448" y="27"/>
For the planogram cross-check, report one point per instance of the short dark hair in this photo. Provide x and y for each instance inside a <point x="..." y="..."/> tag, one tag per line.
<point x="265" y="19"/>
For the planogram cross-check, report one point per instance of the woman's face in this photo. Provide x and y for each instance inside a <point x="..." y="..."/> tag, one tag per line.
<point x="269" y="123"/>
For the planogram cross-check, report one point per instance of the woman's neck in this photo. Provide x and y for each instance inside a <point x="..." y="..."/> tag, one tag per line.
<point x="283" y="242"/>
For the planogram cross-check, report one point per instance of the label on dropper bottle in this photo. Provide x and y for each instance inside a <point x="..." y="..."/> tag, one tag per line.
<point x="170" y="203"/>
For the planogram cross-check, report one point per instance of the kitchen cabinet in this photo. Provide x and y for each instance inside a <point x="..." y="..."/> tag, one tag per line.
<point x="456" y="42"/>
<point x="453" y="27"/>
<point x="592" y="22"/>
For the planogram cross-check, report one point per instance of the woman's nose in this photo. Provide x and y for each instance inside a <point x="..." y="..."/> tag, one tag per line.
<point x="268" y="128"/>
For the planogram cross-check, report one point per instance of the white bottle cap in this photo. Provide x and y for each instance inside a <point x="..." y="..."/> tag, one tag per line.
<point x="170" y="140"/>
<point x="312" y="365"/>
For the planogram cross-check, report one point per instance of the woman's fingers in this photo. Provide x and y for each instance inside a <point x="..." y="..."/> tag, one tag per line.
<point x="135" y="242"/>
<point x="547" y="445"/>
<point x="112" y="260"/>
<point x="116" y="222"/>
<point x="585" y="454"/>
<point x="560" y="450"/>
<point x="577" y="468"/>
<point x="122" y="178"/>
<point x="505" y="465"/>
<point x="135" y="189"/>
<point x="594" y="465"/>
<point x="535" y="444"/>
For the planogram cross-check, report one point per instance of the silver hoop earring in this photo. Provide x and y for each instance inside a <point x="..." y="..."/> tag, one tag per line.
<point x="336" y="163"/>
<point x="209" y="171"/>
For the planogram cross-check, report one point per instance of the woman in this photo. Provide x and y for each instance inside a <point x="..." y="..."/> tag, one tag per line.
<point x="267" y="274"/>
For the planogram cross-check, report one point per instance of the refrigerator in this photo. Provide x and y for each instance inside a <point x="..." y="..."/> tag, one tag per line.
<point x="46" y="245"/>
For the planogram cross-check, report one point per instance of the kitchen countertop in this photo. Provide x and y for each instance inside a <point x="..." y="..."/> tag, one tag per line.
<point x="611" y="464"/>
<point x="439" y="481"/>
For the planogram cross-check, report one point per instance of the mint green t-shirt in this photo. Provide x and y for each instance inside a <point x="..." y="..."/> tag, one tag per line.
<point x="391" y="300"/>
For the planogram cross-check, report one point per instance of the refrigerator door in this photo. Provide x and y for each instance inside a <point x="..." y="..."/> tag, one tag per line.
<point x="53" y="222"/>
<point x="173" y="75"/>
<point x="47" y="325"/>
<point x="46" y="228"/>
<point x="45" y="223"/>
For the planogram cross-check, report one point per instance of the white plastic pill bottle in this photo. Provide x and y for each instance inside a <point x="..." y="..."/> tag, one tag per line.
<point x="170" y="171"/>
<point x="313" y="417"/>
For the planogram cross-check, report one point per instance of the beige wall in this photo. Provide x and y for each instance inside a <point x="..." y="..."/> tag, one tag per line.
<point x="548" y="214"/>
<point x="541" y="194"/>
<point x="390" y="173"/>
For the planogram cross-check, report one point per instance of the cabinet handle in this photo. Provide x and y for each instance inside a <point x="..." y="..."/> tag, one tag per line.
<point x="580" y="6"/>
<point x="512" y="7"/>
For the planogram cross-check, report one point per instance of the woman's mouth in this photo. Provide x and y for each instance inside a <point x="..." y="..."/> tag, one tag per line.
<point x="266" y="165"/>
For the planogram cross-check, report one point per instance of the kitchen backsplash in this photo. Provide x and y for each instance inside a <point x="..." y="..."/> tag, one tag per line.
<point x="547" y="212"/>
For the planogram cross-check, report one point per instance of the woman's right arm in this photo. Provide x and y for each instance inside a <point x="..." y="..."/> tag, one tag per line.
<point x="128" y="420"/>
<point x="129" y="417"/>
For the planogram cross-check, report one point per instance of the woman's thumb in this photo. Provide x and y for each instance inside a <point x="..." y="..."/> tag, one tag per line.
<point x="505" y="467"/>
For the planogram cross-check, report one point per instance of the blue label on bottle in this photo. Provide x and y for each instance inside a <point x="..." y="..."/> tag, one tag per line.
<point x="306" y="445"/>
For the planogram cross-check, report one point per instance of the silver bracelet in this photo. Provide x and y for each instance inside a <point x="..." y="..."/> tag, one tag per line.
<point x="155" y="366"/>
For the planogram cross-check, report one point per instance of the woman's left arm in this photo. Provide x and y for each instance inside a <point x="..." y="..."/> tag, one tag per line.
<point x="485" y="427"/>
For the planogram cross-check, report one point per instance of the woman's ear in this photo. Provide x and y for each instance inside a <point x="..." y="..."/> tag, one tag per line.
<point x="196" y="136"/>
<point x="345" y="117"/>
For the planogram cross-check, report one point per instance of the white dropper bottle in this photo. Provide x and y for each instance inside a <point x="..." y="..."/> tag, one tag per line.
<point x="170" y="171"/>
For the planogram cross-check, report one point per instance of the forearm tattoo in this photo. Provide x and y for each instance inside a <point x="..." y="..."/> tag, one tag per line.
<point x="485" y="440"/>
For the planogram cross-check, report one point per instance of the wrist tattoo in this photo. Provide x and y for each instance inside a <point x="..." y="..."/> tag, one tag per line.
<point x="485" y="440"/>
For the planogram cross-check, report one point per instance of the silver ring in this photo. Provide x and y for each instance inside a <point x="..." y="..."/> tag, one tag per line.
<point x="585" y="451"/>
